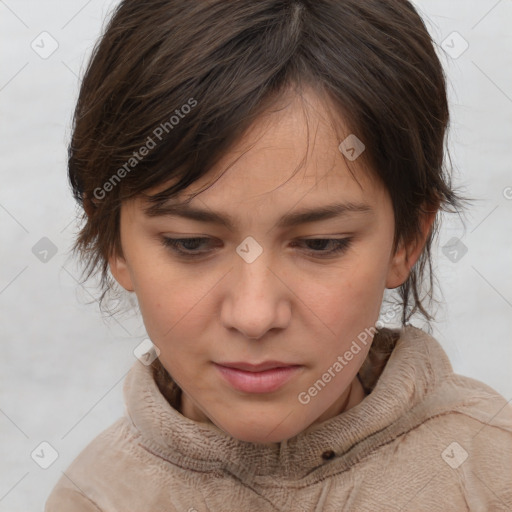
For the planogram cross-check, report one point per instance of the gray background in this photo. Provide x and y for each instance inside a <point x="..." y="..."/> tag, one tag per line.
<point x="62" y="365"/>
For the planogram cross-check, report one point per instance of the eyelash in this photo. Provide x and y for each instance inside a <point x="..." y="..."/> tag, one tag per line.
<point x="341" y="245"/>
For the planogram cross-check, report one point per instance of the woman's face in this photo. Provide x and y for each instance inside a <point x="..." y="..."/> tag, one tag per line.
<point x="265" y="316"/>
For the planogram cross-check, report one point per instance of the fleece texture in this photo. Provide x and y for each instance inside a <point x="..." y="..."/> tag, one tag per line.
<point x="423" y="439"/>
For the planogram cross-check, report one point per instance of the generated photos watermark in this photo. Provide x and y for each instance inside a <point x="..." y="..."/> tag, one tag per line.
<point x="150" y="143"/>
<point x="341" y="362"/>
<point x="362" y="339"/>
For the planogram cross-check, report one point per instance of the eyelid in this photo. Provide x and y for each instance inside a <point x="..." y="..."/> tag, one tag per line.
<point x="342" y="245"/>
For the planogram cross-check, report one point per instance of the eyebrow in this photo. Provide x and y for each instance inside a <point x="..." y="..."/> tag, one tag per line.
<point x="294" y="218"/>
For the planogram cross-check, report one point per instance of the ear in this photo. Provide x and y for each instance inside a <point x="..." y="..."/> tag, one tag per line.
<point x="121" y="272"/>
<point x="407" y="254"/>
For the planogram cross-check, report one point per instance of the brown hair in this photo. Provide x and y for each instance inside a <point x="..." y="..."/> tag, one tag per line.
<point x="185" y="78"/>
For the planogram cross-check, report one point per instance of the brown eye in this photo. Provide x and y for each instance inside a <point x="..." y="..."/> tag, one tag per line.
<point x="188" y="247"/>
<point x="317" y="246"/>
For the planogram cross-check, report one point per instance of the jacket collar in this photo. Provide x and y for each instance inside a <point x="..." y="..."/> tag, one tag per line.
<point x="415" y="367"/>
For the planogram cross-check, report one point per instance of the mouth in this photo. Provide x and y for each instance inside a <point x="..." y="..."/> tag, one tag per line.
<point x="265" y="377"/>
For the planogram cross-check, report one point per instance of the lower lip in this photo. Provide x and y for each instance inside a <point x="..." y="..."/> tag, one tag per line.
<point x="258" y="382"/>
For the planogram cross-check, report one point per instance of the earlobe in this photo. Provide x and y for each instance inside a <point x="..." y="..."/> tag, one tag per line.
<point x="399" y="269"/>
<point x="121" y="272"/>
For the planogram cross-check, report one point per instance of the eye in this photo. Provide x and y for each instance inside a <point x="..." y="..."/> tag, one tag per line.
<point x="185" y="246"/>
<point x="317" y="246"/>
<point x="190" y="247"/>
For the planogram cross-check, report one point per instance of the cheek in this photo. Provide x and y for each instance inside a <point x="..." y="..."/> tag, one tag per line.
<point x="172" y="299"/>
<point x="349" y="295"/>
<point x="169" y="307"/>
<point x="163" y="299"/>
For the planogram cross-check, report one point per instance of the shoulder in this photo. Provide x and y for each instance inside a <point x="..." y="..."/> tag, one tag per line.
<point x="439" y="396"/>
<point x="456" y="442"/>
<point x="470" y="405"/>
<point x="467" y="409"/>
<point x="88" y="479"/>
<point x="118" y="470"/>
<point x="461" y="436"/>
<point x="65" y="497"/>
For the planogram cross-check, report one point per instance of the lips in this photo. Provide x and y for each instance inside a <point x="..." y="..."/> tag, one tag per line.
<point x="265" y="377"/>
<point x="249" y="367"/>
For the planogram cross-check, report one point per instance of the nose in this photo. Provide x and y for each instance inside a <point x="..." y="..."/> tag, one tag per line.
<point x="256" y="300"/>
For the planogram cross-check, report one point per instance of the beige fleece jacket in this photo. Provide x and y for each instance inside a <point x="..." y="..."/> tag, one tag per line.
<point x="424" y="439"/>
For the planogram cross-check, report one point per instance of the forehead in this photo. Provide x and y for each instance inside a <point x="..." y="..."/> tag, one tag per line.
<point x="289" y="157"/>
